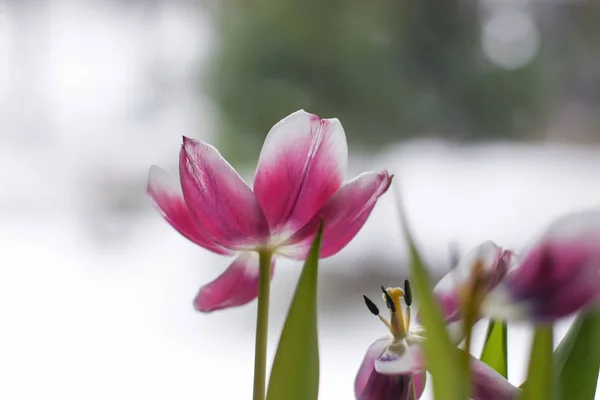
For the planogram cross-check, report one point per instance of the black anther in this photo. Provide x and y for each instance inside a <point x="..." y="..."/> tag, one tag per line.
<point x="371" y="306"/>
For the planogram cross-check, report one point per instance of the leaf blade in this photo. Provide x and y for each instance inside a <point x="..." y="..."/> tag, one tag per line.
<point x="295" y="371"/>
<point x="449" y="382"/>
<point x="577" y="358"/>
<point x="540" y="376"/>
<point x="495" y="348"/>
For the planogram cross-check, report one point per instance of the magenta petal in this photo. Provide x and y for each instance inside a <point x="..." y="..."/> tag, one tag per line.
<point x="419" y="381"/>
<point x="166" y="195"/>
<point x="219" y="199"/>
<point x="343" y="215"/>
<point x="302" y="163"/>
<point x="236" y="286"/>
<point x="489" y="384"/>
<point x="371" y="385"/>
<point x="558" y="277"/>
<point x="367" y="367"/>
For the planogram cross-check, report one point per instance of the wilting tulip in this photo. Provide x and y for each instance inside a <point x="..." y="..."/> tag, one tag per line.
<point x="394" y="366"/>
<point x="298" y="182"/>
<point x="373" y="381"/>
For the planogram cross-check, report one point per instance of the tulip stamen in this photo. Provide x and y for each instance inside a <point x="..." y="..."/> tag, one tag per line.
<point x="375" y="311"/>
<point x="399" y="322"/>
<point x="408" y="302"/>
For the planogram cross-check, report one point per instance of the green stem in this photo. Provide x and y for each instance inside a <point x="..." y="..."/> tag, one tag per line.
<point x="262" y="324"/>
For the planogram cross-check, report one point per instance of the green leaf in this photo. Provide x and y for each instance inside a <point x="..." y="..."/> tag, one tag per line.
<point x="295" y="372"/>
<point x="540" y="376"/>
<point x="495" y="351"/>
<point x="577" y="358"/>
<point x="442" y="358"/>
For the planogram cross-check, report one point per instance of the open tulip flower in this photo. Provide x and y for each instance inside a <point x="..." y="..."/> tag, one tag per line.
<point x="372" y="381"/>
<point x="394" y="366"/>
<point x="298" y="182"/>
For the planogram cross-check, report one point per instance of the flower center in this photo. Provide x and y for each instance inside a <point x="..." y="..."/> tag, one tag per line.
<point x="399" y="322"/>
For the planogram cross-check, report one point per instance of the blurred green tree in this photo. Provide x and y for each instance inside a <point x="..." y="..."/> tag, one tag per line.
<point x="388" y="69"/>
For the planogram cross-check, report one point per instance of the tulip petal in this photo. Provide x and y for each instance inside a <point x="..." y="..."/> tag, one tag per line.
<point x="165" y="193"/>
<point x="419" y="380"/>
<point x="494" y="263"/>
<point x="367" y="367"/>
<point x="343" y="215"/>
<point x="489" y="384"/>
<point x="236" y="286"/>
<point x="219" y="199"/>
<point x="302" y="163"/>
<point x="410" y="361"/>
<point x="371" y="385"/>
<point x="558" y="277"/>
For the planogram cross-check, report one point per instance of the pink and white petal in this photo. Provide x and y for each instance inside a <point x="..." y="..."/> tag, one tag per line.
<point x="367" y="367"/>
<point x="411" y="361"/>
<point x="237" y="286"/>
<point x="486" y="253"/>
<point x="559" y="276"/>
<point x="166" y="195"/>
<point x="219" y="198"/>
<point x="343" y="216"/>
<point x="580" y="225"/>
<point x="489" y="384"/>
<point x="302" y="163"/>
<point x="494" y="263"/>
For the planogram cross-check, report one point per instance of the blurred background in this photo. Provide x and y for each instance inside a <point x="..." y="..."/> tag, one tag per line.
<point x="486" y="111"/>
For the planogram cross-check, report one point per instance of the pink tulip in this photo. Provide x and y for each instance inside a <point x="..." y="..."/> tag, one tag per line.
<point x="392" y="362"/>
<point x="298" y="181"/>
<point x="558" y="276"/>
<point x="494" y="263"/>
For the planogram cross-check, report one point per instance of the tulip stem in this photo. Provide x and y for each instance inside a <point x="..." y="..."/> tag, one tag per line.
<point x="262" y="324"/>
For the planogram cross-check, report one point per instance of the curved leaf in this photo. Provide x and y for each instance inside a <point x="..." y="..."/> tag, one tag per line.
<point x="295" y="372"/>
<point x="449" y="382"/>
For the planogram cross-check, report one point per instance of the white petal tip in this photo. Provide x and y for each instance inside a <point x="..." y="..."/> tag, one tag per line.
<point x="392" y="363"/>
<point x="499" y="306"/>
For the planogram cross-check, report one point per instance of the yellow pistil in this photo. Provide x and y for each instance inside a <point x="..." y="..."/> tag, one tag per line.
<point x="400" y="319"/>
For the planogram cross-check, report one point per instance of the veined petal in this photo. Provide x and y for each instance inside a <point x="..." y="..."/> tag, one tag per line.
<point x="489" y="384"/>
<point x="371" y="385"/>
<point x="343" y="215"/>
<point x="219" y="199"/>
<point x="165" y="193"/>
<point x="558" y="277"/>
<point x="302" y="163"/>
<point x="236" y="286"/>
